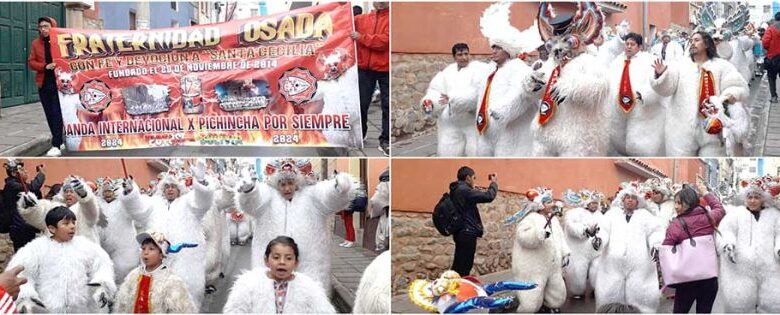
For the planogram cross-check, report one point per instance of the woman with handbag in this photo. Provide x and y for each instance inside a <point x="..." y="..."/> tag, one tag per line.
<point x="693" y="224"/>
<point x="750" y="261"/>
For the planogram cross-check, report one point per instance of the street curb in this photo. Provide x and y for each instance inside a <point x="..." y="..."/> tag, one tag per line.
<point x="36" y="147"/>
<point x="342" y="299"/>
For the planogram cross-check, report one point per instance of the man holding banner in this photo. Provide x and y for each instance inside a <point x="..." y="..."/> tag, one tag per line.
<point x="40" y="61"/>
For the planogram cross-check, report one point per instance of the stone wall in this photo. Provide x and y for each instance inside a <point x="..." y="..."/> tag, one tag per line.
<point x="420" y="252"/>
<point x="410" y="75"/>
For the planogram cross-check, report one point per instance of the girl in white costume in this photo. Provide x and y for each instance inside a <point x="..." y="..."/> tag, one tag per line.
<point x="278" y="287"/>
<point x="76" y="196"/>
<point x="152" y="287"/>
<point x="287" y="203"/>
<point x="628" y="239"/>
<point x="178" y="213"/>
<point x="66" y="273"/>
<point x="539" y="254"/>
<point x="750" y="251"/>
<point x="581" y="226"/>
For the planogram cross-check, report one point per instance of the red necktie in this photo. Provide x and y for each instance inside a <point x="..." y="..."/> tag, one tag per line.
<point x="626" y="98"/>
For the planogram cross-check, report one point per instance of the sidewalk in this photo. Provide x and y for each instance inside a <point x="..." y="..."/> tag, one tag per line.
<point x="347" y="267"/>
<point x="25" y="133"/>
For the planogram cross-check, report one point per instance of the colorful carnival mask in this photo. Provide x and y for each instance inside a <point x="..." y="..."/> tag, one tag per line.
<point x="453" y="294"/>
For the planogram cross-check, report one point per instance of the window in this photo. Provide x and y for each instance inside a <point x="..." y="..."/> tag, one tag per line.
<point x="133" y="25"/>
<point x="174" y="6"/>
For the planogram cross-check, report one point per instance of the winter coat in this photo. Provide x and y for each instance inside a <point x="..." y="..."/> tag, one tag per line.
<point x="697" y="221"/>
<point x="37" y="59"/>
<point x="10" y="218"/>
<point x="374" y="43"/>
<point x="253" y="292"/>
<point x="467" y="198"/>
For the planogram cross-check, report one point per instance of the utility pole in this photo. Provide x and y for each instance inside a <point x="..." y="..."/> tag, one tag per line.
<point x="646" y="27"/>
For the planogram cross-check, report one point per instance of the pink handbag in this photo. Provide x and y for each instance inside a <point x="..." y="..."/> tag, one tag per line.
<point x="693" y="259"/>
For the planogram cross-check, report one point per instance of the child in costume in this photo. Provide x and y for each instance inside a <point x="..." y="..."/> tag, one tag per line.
<point x="277" y="288"/>
<point x="152" y="287"/>
<point x="65" y="273"/>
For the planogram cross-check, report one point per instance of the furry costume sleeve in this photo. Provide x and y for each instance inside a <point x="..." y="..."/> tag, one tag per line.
<point x="124" y="296"/>
<point x="335" y="194"/>
<point x="666" y="84"/>
<point x="137" y="208"/>
<point x="101" y="269"/>
<point x="177" y="299"/>
<point x="254" y="201"/>
<point x="605" y="228"/>
<point x="435" y="89"/>
<point x="507" y="108"/>
<point x="26" y="256"/>
<point x="90" y="211"/>
<point x="464" y="100"/>
<point x="556" y="229"/>
<point x="201" y="198"/>
<point x="575" y="224"/>
<point x="530" y="231"/>
<point x="36" y="215"/>
<point x="728" y="229"/>
<point x="655" y="231"/>
<point x="731" y="82"/>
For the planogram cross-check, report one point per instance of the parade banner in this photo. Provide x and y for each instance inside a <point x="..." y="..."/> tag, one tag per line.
<point x="287" y="79"/>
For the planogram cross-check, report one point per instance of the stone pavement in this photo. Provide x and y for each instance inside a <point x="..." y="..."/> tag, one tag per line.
<point x="769" y="129"/>
<point x="25" y="133"/>
<point x="347" y="267"/>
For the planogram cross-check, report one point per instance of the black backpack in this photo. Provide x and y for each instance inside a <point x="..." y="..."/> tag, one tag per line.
<point x="447" y="217"/>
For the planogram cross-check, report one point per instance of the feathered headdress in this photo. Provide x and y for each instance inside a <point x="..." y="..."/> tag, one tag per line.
<point x="662" y="185"/>
<point x="722" y="28"/>
<point x="586" y="22"/>
<point x="536" y="199"/>
<point x="633" y="188"/>
<point x="495" y="26"/>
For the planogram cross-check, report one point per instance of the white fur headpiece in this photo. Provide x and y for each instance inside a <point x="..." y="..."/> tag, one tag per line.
<point x="495" y="26"/>
<point x="633" y="188"/>
<point x="662" y="185"/>
<point x="767" y="187"/>
<point x="298" y="170"/>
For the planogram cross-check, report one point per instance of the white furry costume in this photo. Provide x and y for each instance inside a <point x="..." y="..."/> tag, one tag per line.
<point x="180" y="221"/>
<point x="118" y="237"/>
<point x="741" y="46"/>
<point x="372" y="294"/>
<point x="215" y="227"/>
<point x="510" y="100"/>
<point x="665" y="210"/>
<point x="378" y="205"/>
<point x="580" y="273"/>
<point x="455" y="125"/>
<point x="240" y="226"/>
<point x="537" y="257"/>
<point x="167" y="294"/>
<point x="581" y="90"/>
<point x="626" y="272"/>
<point x="58" y="273"/>
<point x="754" y="280"/>
<point x="253" y="292"/>
<point x="673" y="51"/>
<point x="86" y="210"/>
<point x="304" y="218"/>
<point x="684" y="133"/>
<point x="341" y="98"/>
<point x="640" y="132"/>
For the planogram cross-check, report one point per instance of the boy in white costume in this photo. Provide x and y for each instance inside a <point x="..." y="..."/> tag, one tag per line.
<point x="285" y="204"/>
<point x="636" y="110"/>
<point x="178" y="212"/>
<point x="278" y="287"/>
<point x="452" y="96"/>
<point x="371" y="296"/>
<point x="152" y="287"/>
<point x="628" y="239"/>
<point x="539" y="254"/>
<point x="76" y="196"/>
<point x="509" y="89"/>
<point x="118" y="235"/>
<point x="66" y="273"/>
<point x="750" y="251"/>
<point x="577" y="86"/>
<point x="581" y="226"/>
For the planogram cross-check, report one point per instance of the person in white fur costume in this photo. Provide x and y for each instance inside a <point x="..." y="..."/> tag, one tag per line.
<point x="706" y="108"/>
<point x="628" y="239"/>
<point x="577" y="86"/>
<point x="452" y="96"/>
<point x="215" y="227"/>
<point x="240" y="226"/>
<point x="539" y="254"/>
<point x="76" y="196"/>
<point x="509" y="89"/>
<point x="581" y="226"/>
<point x="278" y="287"/>
<point x="118" y="236"/>
<point x="152" y="287"/>
<point x="372" y="294"/>
<point x="287" y="203"/>
<point x="380" y="207"/>
<point x="661" y="201"/>
<point x="750" y="250"/>
<point x="66" y="273"/>
<point x="177" y="212"/>
<point x="637" y="112"/>
<point x="667" y="49"/>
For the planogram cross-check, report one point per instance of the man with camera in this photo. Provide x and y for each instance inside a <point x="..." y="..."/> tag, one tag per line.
<point x="466" y="198"/>
<point x="16" y="182"/>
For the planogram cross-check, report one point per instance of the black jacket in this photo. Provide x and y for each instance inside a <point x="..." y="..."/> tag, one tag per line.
<point x="9" y="214"/>
<point x="467" y="198"/>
